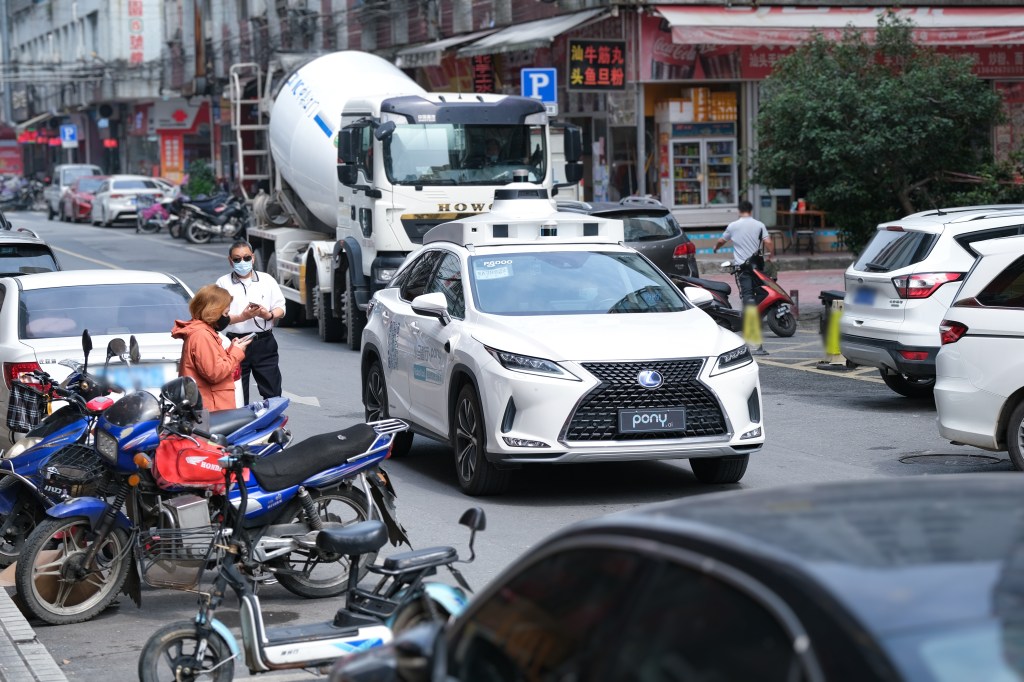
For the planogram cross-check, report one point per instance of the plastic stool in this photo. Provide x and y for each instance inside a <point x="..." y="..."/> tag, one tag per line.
<point x="777" y="235"/>
<point x="807" y="236"/>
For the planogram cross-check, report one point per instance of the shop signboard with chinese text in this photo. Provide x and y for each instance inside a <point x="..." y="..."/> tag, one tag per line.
<point x="597" y="65"/>
<point x="483" y="74"/>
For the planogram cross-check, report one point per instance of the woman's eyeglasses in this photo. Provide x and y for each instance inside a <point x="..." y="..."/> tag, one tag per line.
<point x="239" y="259"/>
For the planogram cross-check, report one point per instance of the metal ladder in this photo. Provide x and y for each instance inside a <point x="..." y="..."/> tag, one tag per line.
<point x="255" y="145"/>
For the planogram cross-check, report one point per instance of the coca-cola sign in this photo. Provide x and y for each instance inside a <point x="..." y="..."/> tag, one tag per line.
<point x="667" y="51"/>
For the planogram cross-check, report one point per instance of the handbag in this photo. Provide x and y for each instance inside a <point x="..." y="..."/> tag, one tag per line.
<point x="25" y="409"/>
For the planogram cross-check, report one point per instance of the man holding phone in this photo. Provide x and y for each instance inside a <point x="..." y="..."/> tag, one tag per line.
<point x="256" y="305"/>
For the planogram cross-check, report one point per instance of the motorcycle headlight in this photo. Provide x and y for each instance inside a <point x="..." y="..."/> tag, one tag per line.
<point x="530" y="365"/>
<point x="22" y="445"/>
<point x="733" y="359"/>
<point x="106" y="445"/>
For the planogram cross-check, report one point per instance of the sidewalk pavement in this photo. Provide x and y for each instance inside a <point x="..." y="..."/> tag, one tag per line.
<point x="22" y="656"/>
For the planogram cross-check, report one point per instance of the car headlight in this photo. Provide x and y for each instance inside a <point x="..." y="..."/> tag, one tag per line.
<point x="733" y="359"/>
<point x="106" y="445"/>
<point x="528" y="364"/>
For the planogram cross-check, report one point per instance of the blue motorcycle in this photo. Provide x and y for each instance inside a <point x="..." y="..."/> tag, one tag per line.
<point x="87" y="549"/>
<point x="56" y="461"/>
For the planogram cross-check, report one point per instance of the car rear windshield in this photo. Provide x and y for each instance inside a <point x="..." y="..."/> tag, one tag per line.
<point x="570" y="283"/>
<point x="649" y="227"/>
<point x="102" y="309"/>
<point x="134" y="184"/>
<point x="89" y="185"/>
<point x="22" y="259"/>
<point x="895" y="249"/>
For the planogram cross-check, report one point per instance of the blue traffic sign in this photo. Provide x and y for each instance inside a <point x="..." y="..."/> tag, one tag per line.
<point x="541" y="84"/>
<point x="69" y="133"/>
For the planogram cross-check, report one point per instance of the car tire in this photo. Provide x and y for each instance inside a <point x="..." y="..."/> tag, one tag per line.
<point x="477" y="476"/>
<point x="1015" y="437"/>
<point x="375" y="404"/>
<point x="908" y="387"/>
<point x="719" y="469"/>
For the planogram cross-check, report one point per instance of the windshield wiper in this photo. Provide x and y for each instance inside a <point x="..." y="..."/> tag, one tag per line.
<point x="876" y="267"/>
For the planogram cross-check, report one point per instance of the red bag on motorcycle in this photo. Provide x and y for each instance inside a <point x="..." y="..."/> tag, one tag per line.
<point x="179" y="464"/>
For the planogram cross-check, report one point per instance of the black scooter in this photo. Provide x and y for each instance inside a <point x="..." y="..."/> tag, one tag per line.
<point x="226" y="218"/>
<point x="719" y="308"/>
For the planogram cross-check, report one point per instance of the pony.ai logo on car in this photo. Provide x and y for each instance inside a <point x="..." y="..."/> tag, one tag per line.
<point x="649" y="378"/>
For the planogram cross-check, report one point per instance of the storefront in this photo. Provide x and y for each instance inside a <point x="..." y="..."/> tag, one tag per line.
<point x="184" y="132"/>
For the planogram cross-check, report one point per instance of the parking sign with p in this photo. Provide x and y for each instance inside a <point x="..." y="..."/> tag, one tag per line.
<point x="541" y="84"/>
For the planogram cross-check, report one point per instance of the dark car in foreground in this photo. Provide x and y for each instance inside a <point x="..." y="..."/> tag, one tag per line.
<point x="651" y="229"/>
<point x="23" y="252"/>
<point x="911" y="578"/>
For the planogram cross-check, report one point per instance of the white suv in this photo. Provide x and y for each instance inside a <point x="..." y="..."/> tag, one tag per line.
<point x="979" y="391"/>
<point x="899" y="289"/>
<point x="528" y="336"/>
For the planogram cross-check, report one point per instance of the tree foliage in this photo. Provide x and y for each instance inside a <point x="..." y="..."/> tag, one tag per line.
<point x="871" y="129"/>
<point x="200" y="178"/>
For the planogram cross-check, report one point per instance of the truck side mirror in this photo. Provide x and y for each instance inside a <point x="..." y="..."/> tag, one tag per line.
<point x="573" y="173"/>
<point x="347" y="175"/>
<point x="573" y="144"/>
<point x="384" y="130"/>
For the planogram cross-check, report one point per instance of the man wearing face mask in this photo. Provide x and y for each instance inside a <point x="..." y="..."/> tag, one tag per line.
<point x="256" y="305"/>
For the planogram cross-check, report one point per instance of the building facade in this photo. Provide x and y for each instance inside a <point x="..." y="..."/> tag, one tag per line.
<point x="665" y="92"/>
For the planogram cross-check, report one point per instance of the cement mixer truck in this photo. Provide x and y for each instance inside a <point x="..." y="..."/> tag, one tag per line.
<point x="355" y="162"/>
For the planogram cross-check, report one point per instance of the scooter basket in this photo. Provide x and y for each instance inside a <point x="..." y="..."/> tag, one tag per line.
<point x="174" y="558"/>
<point x="78" y="469"/>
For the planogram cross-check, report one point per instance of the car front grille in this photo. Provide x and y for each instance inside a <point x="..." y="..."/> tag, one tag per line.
<point x="596" y="416"/>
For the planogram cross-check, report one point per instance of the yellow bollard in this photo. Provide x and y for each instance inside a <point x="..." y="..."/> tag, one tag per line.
<point x="752" y="330"/>
<point x="834" y="359"/>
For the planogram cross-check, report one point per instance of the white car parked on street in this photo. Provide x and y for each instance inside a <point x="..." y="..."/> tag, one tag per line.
<point x="979" y="389"/>
<point x="42" y="317"/>
<point x="116" y="198"/>
<point x="527" y="336"/>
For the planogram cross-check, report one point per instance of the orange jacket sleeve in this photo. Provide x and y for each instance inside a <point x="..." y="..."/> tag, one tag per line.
<point x="214" y="362"/>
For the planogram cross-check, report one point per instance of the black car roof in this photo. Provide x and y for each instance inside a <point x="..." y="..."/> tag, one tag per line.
<point x="897" y="553"/>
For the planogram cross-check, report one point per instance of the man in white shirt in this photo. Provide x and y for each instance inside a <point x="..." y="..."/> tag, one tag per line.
<point x="256" y="304"/>
<point x="747" y="235"/>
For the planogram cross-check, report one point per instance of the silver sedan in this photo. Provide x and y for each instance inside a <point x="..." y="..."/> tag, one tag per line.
<point x="116" y="198"/>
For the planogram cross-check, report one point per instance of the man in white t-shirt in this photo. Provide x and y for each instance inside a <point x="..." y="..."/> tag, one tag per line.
<point x="748" y="235"/>
<point x="256" y="304"/>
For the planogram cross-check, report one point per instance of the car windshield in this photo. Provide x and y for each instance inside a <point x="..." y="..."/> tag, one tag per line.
<point x="973" y="651"/>
<point x="22" y="259"/>
<point x="570" y="283"/>
<point x="457" y="154"/>
<point x="89" y="184"/>
<point x="102" y="309"/>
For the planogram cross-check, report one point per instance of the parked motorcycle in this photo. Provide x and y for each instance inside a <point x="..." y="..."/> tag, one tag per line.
<point x="87" y="549"/>
<point x="774" y="305"/>
<point x="21" y="195"/>
<point x="155" y="214"/>
<point x="227" y="219"/>
<point x="719" y="308"/>
<point x="205" y="646"/>
<point x="185" y="204"/>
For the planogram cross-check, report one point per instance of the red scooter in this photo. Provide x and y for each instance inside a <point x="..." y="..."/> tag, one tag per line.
<point x="773" y="303"/>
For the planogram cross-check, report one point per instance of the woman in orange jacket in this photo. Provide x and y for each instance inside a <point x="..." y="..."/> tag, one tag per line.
<point x="203" y="356"/>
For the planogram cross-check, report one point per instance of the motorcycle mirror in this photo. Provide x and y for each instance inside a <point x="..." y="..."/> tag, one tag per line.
<point x="475" y="519"/>
<point x="115" y="349"/>
<point x="86" y="348"/>
<point x="134" y="354"/>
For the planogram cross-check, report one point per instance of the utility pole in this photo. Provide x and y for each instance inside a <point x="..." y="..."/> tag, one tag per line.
<point x="5" y="61"/>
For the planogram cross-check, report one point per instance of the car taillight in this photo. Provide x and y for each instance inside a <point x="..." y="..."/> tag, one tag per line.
<point x="924" y="284"/>
<point x="951" y="331"/>
<point x="684" y="250"/>
<point x="117" y="196"/>
<point x="16" y="371"/>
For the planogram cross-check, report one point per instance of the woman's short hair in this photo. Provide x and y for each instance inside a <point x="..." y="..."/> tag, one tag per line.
<point x="209" y="303"/>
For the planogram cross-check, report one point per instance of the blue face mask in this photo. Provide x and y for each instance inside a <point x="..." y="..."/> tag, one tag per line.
<point x="242" y="268"/>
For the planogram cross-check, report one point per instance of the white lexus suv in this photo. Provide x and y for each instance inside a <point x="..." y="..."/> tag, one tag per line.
<point x="899" y="289"/>
<point x="528" y="336"/>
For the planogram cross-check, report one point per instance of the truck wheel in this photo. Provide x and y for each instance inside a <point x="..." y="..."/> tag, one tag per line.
<point x="354" y="320"/>
<point x="331" y="328"/>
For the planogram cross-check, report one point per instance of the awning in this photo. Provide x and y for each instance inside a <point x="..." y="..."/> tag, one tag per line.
<point x="966" y="26"/>
<point x="531" y="35"/>
<point x="34" y="121"/>
<point x="430" y="54"/>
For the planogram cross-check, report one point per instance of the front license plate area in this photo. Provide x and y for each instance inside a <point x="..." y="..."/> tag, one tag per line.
<point x="652" y="420"/>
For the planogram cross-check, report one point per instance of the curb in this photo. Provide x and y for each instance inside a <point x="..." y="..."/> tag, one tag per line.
<point x="25" y="658"/>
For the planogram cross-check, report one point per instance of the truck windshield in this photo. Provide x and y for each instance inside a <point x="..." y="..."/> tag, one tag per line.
<point x="458" y="154"/>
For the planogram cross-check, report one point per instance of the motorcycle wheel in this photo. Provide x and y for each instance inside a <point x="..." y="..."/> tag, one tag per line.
<point x="315" y="575"/>
<point x="784" y="326"/>
<point x="196" y="234"/>
<point x="420" y="610"/>
<point x="375" y="404"/>
<point x="46" y="574"/>
<point x="16" y="526"/>
<point x="170" y="654"/>
<point x="147" y="226"/>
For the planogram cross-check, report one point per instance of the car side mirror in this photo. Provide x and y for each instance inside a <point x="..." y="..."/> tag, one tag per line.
<point x="432" y="305"/>
<point x="698" y="296"/>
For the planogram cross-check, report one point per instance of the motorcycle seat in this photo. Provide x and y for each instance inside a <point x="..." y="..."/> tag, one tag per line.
<point x="298" y="462"/>
<point x="418" y="559"/>
<point x="709" y="284"/>
<point x="356" y="538"/>
<point x="224" y="422"/>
